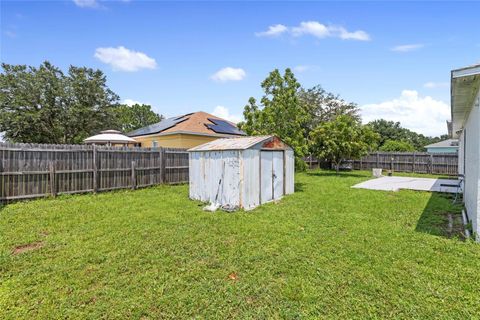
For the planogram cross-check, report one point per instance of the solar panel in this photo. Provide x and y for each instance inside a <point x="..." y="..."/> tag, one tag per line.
<point x="221" y="126"/>
<point x="158" y="127"/>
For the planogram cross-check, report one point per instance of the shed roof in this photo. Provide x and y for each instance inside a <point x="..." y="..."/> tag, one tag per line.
<point x="453" y="143"/>
<point x="193" y="123"/>
<point x="109" y="136"/>
<point x="231" y="143"/>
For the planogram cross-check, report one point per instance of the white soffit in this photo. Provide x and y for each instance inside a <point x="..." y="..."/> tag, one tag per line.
<point x="465" y="84"/>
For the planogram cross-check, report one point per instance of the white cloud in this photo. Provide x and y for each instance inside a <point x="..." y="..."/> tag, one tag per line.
<point x="229" y="74"/>
<point x="356" y="35"/>
<point x="408" y="47"/>
<point x="86" y="3"/>
<point x="301" y="68"/>
<point x="313" y="28"/>
<point x="94" y="3"/>
<point x="131" y="102"/>
<point x="304" y="68"/>
<point x="316" y="29"/>
<point x="273" y="31"/>
<point x="123" y="59"/>
<point x="435" y="85"/>
<point x="223" y="112"/>
<point x="420" y="114"/>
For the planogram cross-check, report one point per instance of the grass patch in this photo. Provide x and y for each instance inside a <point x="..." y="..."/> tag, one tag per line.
<point x="327" y="251"/>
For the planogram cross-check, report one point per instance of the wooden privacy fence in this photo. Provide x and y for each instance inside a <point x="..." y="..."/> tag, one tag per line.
<point x="418" y="162"/>
<point x="37" y="170"/>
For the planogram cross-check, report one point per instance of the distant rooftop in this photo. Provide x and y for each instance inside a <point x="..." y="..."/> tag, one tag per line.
<point x="192" y="123"/>
<point x="444" y="144"/>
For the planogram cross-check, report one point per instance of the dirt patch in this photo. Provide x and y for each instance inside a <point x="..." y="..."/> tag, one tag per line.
<point x="233" y="276"/>
<point x="27" y="247"/>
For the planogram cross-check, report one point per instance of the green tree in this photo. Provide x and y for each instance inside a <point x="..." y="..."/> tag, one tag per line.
<point x="342" y="139"/>
<point x="279" y="113"/>
<point x="397" y="146"/>
<point x="322" y="106"/>
<point x="136" y="116"/>
<point x="43" y="105"/>
<point x="390" y="130"/>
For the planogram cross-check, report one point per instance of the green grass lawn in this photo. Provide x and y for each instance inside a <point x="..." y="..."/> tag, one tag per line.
<point x="327" y="251"/>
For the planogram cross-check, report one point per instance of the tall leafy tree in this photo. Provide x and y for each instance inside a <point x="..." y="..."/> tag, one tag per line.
<point x="135" y="116"/>
<point x="390" y="130"/>
<point x="90" y="104"/>
<point x="44" y="105"/>
<point x="279" y="112"/>
<point x="322" y="106"/>
<point x="341" y="139"/>
<point x="397" y="146"/>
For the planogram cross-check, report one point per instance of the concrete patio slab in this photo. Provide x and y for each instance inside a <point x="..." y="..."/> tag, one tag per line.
<point x="410" y="183"/>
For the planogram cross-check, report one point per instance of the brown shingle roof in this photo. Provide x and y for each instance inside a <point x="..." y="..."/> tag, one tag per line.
<point x="196" y="122"/>
<point x="190" y="123"/>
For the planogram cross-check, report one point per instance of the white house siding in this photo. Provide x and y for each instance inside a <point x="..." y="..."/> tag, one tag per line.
<point x="461" y="154"/>
<point x="471" y="144"/>
<point x="251" y="176"/>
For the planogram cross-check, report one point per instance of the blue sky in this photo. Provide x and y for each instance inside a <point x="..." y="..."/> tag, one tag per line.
<point x="392" y="58"/>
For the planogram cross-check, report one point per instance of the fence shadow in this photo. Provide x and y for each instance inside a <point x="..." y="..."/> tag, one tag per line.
<point x="441" y="217"/>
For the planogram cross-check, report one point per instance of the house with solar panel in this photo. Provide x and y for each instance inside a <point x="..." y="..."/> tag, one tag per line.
<point x="185" y="131"/>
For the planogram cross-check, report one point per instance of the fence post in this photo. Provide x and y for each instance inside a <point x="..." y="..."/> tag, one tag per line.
<point x="133" y="177"/>
<point x="361" y="166"/>
<point x="160" y="161"/>
<point x="378" y="160"/>
<point x="2" y="178"/>
<point x="431" y="163"/>
<point x="413" y="163"/>
<point x="163" y="165"/>
<point x="53" y="183"/>
<point x="94" y="167"/>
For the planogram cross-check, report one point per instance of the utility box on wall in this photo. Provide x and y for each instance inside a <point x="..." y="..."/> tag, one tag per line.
<point x="241" y="172"/>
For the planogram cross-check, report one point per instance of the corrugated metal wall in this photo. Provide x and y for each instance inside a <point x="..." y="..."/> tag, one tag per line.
<point x="289" y="172"/>
<point x="251" y="178"/>
<point x="215" y="177"/>
<point x="233" y="178"/>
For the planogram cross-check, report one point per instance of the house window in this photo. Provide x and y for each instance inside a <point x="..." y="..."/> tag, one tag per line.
<point x="154" y="144"/>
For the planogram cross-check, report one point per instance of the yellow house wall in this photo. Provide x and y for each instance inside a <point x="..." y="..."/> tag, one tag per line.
<point x="174" y="140"/>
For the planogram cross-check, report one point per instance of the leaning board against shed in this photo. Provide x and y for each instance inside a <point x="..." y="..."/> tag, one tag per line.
<point x="241" y="172"/>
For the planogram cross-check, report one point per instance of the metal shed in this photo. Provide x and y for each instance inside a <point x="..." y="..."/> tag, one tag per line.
<point x="241" y="172"/>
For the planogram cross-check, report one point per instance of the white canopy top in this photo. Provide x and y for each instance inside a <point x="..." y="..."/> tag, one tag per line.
<point x="109" y="137"/>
